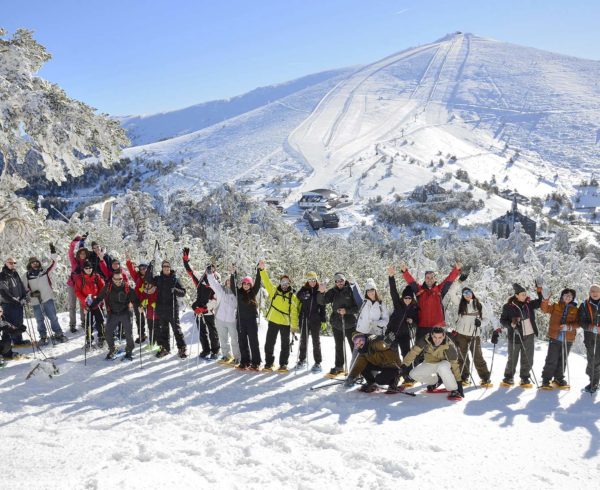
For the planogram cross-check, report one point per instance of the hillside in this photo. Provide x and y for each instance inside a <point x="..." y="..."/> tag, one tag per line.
<point x="509" y="116"/>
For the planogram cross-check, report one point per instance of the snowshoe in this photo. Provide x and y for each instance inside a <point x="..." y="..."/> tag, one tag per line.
<point x="204" y="355"/>
<point x="590" y="389"/>
<point x="162" y="353"/>
<point x="182" y="352"/>
<point x="561" y="384"/>
<point x="300" y="365"/>
<point x="61" y="338"/>
<point x="546" y="386"/>
<point x="254" y="367"/>
<point x="525" y="383"/>
<point x="282" y="369"/>
<point x="213" y="357"/>
<point x="455" y="395"/>
<point x="368" y="388"/>
<point x="127" y="357"/>
<point x="21" y="344"/>
<point x="486" y="383"/>
<point x="334" y="372"/>
<point x="316" y="368"/>
<point x="435" y="390"/>
<point x="408" y="382"/>
<point x="225" y="360"/>
<point x="243" y="366"/>
<point x="268" y="367"/>
<point x="15" y="356"/>
<point x="465" y="382"/>
<point x="507" y="382"/>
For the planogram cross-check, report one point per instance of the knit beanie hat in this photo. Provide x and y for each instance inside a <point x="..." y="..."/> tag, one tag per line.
<point x="518" y="288"/>
<point x="312" y="275"/>
<point x="370" y="284"/>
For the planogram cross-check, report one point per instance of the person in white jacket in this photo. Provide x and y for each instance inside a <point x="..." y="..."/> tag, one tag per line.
<point x="467" y="336"/>
<point x="373" y="316"/>
<point x="39" y="286"/>
<point x="225" y="320"/>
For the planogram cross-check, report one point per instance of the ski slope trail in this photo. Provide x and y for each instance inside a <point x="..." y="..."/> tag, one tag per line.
<point x="183" y="424"/>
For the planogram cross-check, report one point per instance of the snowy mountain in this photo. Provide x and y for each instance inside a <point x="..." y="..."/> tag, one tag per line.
<point x="184" y="424"/>
<point x="510" y="116"/>
<point x="157" y="127"/>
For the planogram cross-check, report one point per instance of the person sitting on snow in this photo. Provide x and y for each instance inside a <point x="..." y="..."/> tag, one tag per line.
<point x="6" y="330"/>
<point x="440" y="365"/>
<point x="377" y="362"/>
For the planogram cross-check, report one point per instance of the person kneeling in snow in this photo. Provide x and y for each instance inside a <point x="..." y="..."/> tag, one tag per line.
<point x="440" y="364"/>
<point x="6" y="329"/>
<point x="375" y="355"/>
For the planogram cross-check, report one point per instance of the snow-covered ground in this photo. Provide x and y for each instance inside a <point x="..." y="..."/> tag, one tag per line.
<point x="179" y="424"/>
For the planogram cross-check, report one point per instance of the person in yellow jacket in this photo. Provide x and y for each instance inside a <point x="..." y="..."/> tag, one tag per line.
<point x="282" y="317"/>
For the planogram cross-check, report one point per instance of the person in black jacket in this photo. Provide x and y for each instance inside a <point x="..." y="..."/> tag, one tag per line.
<point x="343" y="317"/>
<point x="405" y="316"/>
<point x="204" y="310"/>
<point x="13" y="297"/>
<point x="312" y="315"/>
<point x="167" y="309"/>
<point x="247" y="313"/>
<point x="6" y="330"/>
<point x="589" y="320"/>
<point x="118" y="297"/>
<point x="518" y="317"/>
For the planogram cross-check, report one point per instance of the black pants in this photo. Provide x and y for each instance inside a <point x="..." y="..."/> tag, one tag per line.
<point x="273" y="330"/>
<point x="592" y="347"/>
<point x="248" y="341"/>
<point x="314" y="330"/>
<point x="113" y="320"/>
<point x="556" y="362"/>
<point x="153" y="329"/>
<point x="5" y="345"/>
<point x="13" y="313"/>
<point x="209" y="338"/>
<point x="140" y="321"/>
<point x="94" y="318"/>
<point x="525" y="350"/>
<point x="421" y="332"/>
<point x="338" y="337"/>
<point x="164" y="337"/>
<point x="404" y="344"/>
<point x="381" y="376"/>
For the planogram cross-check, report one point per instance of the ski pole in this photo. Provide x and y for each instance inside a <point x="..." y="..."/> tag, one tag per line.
<point x="567" y="363"/>
<point x="326" y="385"/>
<point x="49" y="330"/>
<point x="31" y="334"/>
<point x="593" y="364"/>
<point x="140" y="317"/>
<point x="344" y="344"/>
<point x="492" y="363"/>
<point x="531" y="371"/>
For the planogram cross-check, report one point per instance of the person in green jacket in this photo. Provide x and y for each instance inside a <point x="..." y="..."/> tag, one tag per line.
<point x="282" y="317"/>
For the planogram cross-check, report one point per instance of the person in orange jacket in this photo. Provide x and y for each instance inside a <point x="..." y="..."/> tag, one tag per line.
<point x="561" y="332"/>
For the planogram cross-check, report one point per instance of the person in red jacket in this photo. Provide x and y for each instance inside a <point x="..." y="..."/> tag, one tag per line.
<point x="137" y="275"/>
<point x="77" y="256"/>
<point x="87" y="287"/>
<point x="115" y="266"/>
<point x="429" y="298"/>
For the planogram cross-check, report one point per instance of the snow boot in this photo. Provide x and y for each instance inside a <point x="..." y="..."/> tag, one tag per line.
<point x="486" y="383"/>
<point x="43" y="341"/>
<point x="561" y="384"/>
<point x="335" y="371"/>
<point x="316" y="368"/>
<point x="100" y="342"/>
<point x="507" y="382"/>
<point x="546" y="385"/>
<point x="408" y="382"/>
<point x="591" y="389"/>
<point x="111" y="355"/>
<point x="282" y="369"/>
<point x="525" y="383"/>
<point x="268" y="367"/>
<point x="205" y="354"/>
<point x="368" y="388"/>
<point x="73" y="329"/>
<point x="213" y="357"/>
<point x="254" y="367"/>
<point x="432" y="388"/>
<point x="138" y="340"/>
<point x="61" y="338"/>
<point x="455" y="395"/>
<point x="162" y="352"/>
<point x="393" y="386"/>
<point x="128" y="356"/>
<point x="465" y="382"/>
<point x="300" y="365"/>
<point x="181" y="352"/>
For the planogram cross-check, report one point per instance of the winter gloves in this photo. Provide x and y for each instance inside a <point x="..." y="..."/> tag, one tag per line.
<point x="52" y="248"/>
<point x="186" y="254"/>
<point x="495" y="336"/>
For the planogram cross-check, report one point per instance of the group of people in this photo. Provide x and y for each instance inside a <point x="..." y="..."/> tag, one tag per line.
<point x="411" y="343"/>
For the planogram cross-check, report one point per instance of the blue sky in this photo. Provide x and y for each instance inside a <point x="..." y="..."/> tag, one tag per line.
<point x="141" y="57"/>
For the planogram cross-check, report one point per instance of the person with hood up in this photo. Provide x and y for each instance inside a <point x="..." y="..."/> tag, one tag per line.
<point x="373" y="316"/>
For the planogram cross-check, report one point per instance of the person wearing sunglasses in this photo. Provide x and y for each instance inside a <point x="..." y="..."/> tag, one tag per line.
<point x="344" y="309"/>
<point x="13" y="296"/>
<point x="405" y="317"/>
<point x="77" y="256"/>
<point x="87" y="287"/>
<point x="282" y="317"/>
<point x="169" y="288"/>
<point x="119" y="298"/>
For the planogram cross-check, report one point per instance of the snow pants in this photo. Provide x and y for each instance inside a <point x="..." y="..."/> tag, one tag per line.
<point x="13" y="313"/>
<point x="228" y="338"/>
<point x="209" y="338"/>
<point x="164" y="333"/>
<point x="112" y="322"/>
<point x="428" y="373"/>
<point x="556" y="360"/>
<point x="466" y="344"/>
<point x="525" y="350"/>
<point x="273" y="330"/>
<point x="338" y="337"/>
<point x="248" y="340"/>
<point x="73" y="302"/>
<point x="381" y="376"/>
<point x="592" y="347"/>
<point x="47" y="309"/>
<point x="94" y="318"/>
<point x="314" y="330"/>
